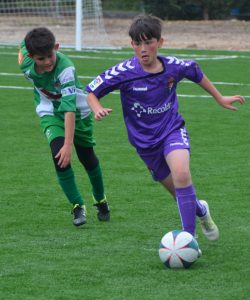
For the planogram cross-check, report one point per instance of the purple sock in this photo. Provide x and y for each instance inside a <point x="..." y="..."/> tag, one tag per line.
<point x="200" y="209"/>
<point x="186" y="200"/>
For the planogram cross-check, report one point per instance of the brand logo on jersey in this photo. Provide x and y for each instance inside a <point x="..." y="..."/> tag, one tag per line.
<point x="95" y="83"/>
<point x="116" y="70"/>
<point x="140" y="89"/>
<point x="71" y="90"/>
<point x="139" y="109"/>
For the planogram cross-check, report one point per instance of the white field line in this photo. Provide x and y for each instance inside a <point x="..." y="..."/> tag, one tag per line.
<point x="115" y="93"/>
<point x="74" y="56"/>
<point x="21" y="75"/>
<point x="194" y="56"/>
<point x="184" y="81"/>
<point x="217" y="57"/>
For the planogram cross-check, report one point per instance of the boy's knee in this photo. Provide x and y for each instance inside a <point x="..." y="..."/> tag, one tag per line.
<point x="87" y="158"/>
<point x="182" y="178"/>
<point x="55" y="147"/>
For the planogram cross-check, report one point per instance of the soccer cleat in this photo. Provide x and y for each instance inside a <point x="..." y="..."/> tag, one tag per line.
<point x="79" y="215"/>
<point x="209" y="228"/>
<point x="103" y="211"/>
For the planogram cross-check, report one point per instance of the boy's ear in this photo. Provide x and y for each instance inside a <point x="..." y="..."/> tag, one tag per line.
<point x="132" y="44"/>
<point x="56" y="47"/>
<point x="160" y="43"/>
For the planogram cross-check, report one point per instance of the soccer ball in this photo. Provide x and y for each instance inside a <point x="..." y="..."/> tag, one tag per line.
<point x="178" y="249"/>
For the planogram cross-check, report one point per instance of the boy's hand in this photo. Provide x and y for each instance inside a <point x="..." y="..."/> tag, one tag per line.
<point x="102" y="112"/>
<point x="227" y="101"/>
<point x="99" y="111"/>
<point x="224" y="101"/>
<point x="64" y="156"/>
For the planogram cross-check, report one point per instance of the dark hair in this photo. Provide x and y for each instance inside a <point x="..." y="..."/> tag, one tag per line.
<point x="145" y="27"/>
<point x="39" y="41"/>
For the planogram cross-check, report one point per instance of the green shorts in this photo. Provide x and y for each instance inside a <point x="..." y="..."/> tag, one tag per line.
<point x="53" y="127"/>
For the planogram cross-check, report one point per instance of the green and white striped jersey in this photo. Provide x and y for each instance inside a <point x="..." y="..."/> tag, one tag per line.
<point x="58" y="91"/>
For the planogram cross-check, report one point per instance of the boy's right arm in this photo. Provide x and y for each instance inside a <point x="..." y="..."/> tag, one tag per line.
<point x="106" y="82"/>
<point x="99" y="111"/>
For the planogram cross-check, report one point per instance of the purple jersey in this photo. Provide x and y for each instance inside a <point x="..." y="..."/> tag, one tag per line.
<point x="149" y="100"/>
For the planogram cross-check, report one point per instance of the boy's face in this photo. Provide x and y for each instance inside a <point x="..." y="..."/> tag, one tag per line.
<point x="146" y="51"/>
<point x="45" y="63"/>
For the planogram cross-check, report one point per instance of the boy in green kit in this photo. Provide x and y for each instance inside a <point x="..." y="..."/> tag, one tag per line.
<point x="65" y="118"/>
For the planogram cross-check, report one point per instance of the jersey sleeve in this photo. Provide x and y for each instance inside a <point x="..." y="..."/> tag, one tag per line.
<point x="23" y="59"/>
<point x="191" y="70"/>
<point x="68" y="90"/>
<point x="186" y="69"/>
<point x="112" y="79"/>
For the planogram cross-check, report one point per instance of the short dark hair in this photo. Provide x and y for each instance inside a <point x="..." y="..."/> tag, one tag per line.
<point x="145" y="27"/>
<point x="39" y="41"/>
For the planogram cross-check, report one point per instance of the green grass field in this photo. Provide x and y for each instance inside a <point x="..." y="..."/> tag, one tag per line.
<point x="42" y="256"/>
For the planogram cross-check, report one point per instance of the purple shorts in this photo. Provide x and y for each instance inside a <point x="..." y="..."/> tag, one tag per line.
<point x="155" y="158"/>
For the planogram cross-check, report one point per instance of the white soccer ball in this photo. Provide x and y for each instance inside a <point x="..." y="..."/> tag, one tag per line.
<point x="178" y="249"/>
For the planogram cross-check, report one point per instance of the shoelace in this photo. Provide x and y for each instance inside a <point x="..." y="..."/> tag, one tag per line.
<point x="78" y="212"/>
<point x="208" y="224"/>
<point x="103" y="207"/>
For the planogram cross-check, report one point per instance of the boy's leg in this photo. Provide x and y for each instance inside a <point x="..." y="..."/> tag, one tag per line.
<point x="178" y="162"/>
<point x="201" y="210"/>
<point x="53" y="129"/>
<point x="84" y="143"/>
<point x="65" y="176"/>
<point x="169" y="185"/>
<point x="186" y="200"/>
<point x="209" y="228"/>
<point x="184" y="193"/>
<point x="188" y="204"/>
<point x="67" y="182"/>
<point x="91" y="164"/>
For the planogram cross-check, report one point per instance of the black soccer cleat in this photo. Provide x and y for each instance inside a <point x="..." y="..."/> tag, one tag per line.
<point x="79" y="215"/>
<point x="103" y="211"/>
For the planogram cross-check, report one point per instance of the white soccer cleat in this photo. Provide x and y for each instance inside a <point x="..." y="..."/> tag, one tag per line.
<point x="209" y="228"/>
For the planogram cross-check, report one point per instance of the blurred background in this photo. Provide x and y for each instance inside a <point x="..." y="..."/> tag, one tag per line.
<point x="180" y="9"/>
<point x="213" y="24"/>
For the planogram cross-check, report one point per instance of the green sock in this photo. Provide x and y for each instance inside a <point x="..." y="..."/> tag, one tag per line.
<point x="67" y="182"/>
<point x="95" y="177"/>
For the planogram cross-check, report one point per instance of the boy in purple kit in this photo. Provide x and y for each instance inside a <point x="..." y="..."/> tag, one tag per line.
<point x="147" y="83"/>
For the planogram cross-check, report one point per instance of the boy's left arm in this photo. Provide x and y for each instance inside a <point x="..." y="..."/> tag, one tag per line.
<point x="224" y="101"/>
<point x="65" y="153"/>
